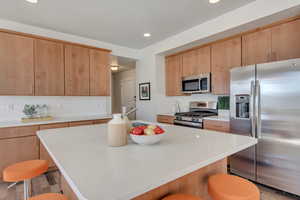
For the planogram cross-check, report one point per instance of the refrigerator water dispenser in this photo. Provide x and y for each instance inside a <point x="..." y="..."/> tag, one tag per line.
<point x="242" y="106"/>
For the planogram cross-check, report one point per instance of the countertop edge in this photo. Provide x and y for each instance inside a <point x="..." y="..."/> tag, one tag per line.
<point x="10" y="124"/>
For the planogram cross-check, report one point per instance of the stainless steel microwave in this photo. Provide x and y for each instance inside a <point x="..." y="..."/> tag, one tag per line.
<point x="196" y="84"/>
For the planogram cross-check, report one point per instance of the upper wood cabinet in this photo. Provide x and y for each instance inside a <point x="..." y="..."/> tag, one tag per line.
<point x="49" y="68"/>
<point x="257" y="47"/>
<point x="77" y="71"/>
<point x="173" y="75"/>
<point x="196" y="62"/>
<point x="100" y="73"/>
<point x="286" y="41"/>
<point x="225" y="55"/>
<point x="16" y="65"/>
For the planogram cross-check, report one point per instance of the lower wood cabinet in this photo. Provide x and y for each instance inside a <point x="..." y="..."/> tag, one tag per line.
<point x="101" y="121"/>
<point x="216" y="125"/>
<point x="167" y="119"/>
<point x="81" y="123"/>
<point x="13" y="150"/>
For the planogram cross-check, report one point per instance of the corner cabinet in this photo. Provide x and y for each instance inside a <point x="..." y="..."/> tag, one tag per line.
<point x="49" y="68"/>
<point x="286" y="41"/>
<point x="16" y="65"/>
<point x="173" y="75"/>
<point x="225" y="55"/>
<point x="100" y="74"/>
<point x="77" y="71"/>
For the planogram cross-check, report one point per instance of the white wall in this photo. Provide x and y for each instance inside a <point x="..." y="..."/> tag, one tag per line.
<point x="150" y="67"/>
<point x="11" y="106"/>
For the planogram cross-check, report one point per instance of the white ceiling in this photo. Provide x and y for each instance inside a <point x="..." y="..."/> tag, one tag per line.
<point x="120" y="22"/>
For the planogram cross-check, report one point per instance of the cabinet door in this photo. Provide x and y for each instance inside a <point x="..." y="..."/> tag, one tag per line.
<point x="216" y="125"/>
<point x="16" y="65"/>
<point x="196" y="62"/>
<point x="77" y="71"/>
<point x="82" y="123"/>
<point x="257" y="47"/>
<point x="286" y="41"/>
<point x="99" y="73"/>
<point x="44" y="155"/>
<point x="173" y="75"/>
<point x="101" y="121"/>
<point x="225" y="55"/>
<point x="17" y="150"/>
<point x="49" y="68"/>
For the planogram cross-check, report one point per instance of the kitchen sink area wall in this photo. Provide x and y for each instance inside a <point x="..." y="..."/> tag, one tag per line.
<point x="59" y="106"/>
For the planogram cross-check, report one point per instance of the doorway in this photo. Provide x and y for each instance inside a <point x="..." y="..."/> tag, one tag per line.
<point x="124" y="86"/>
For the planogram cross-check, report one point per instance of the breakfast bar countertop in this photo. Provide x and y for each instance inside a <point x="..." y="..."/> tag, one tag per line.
<point x="96" y="171"/>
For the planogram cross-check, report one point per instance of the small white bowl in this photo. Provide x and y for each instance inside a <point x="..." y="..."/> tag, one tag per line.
<point x="147" y="139"/>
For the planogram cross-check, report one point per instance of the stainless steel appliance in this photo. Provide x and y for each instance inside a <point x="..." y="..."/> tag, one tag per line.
<point x="197" y="110"/>
<point x="196" y="84"/>
<point x="265" y="104"/>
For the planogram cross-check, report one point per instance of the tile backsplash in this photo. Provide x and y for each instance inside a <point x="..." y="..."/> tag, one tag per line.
<point x="11" y="106"/>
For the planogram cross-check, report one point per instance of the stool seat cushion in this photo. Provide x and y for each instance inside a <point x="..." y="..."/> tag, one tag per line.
<point x="24" y="170"/>
<point x="228" y="187"/>
<point x="181" y="197"/>
<point x="49" y="196"/>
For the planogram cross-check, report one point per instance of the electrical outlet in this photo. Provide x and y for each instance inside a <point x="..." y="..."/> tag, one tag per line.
<point x="11" y="107"/>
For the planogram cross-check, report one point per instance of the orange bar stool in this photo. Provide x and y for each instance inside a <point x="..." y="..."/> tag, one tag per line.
<point x="24" y="171"/>
<point x="228" y="187"/>
<point x="49" y="196"/>
<point x="181" y="197"/>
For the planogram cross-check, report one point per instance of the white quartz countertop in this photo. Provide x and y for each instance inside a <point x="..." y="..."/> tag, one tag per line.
<point x="7" y="124"/>
<point x="96" y="171"/>
<point x="218" y="118"/>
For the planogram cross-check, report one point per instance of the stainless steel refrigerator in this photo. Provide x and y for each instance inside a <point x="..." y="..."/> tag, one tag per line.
<point x="265" y="104"/>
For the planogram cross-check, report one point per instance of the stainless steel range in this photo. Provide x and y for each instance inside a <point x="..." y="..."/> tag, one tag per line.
<point x="197" y="111"/>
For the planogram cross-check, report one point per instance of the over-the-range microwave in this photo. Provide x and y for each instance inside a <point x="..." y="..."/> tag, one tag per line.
<point x="196" y="84"/>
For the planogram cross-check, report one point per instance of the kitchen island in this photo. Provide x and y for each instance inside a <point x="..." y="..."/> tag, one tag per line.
<point x="181" y="162"/>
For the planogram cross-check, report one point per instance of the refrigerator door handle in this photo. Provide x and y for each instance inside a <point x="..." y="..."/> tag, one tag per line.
<point x="252" y="109"/>
<point x="258" y="108"/>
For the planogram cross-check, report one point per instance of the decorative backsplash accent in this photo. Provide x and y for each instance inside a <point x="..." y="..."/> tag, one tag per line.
<point x="223" y="102"/>
<point x="11" y="107"/>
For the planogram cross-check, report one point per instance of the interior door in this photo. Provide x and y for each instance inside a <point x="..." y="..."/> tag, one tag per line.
<point x="242" y="85"/>
<point x="278" y="148"/>
<point x="128" y="96"/>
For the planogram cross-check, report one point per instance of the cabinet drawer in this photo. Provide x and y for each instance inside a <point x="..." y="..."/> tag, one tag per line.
<point x="81" y="123"/>
<point x="101" y="121"/>
<point x="165" y="119"/>
<point x="216" y="125"/>
<point x="53" y="126"/>
<point x="18" y="131"/>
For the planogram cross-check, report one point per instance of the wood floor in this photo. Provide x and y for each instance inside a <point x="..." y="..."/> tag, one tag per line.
<point x="50" y="183"/>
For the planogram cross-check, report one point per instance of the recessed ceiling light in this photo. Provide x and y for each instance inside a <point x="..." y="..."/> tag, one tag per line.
<point x="32" y="1"/>
<point x="214" y="1"/>
<point x="147" y="35"/>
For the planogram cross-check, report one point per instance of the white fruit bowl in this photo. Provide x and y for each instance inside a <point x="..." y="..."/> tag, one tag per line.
<point x="147" y="139"/>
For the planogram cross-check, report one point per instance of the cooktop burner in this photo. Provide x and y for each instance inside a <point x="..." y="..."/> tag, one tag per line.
<point x="199" y="114"/>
